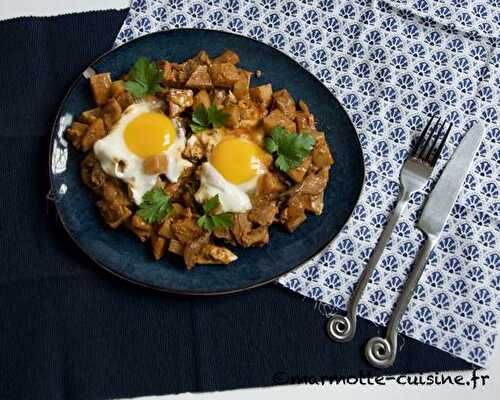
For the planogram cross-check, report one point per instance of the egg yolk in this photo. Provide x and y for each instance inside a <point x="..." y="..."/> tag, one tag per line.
<point x="238" y="160"/>
<point x="149" y="134"/>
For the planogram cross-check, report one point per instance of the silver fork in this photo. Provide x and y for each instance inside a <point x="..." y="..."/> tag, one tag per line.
<point x="415" y="173"/>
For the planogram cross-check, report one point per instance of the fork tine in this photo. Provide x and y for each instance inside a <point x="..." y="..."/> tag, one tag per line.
<point x="422" y="136"/>
<point x="441" y="145"/>
<point x="432" y="147"/>
<point x="427" y="141"/>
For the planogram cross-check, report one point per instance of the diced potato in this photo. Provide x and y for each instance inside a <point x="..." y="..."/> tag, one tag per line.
<point x="169" y="73"/>
<point x="179" y="100"/>
<point x="315" y="203"/>
<point x="227" y="57"/>
<point x="176" y="247"/>
<point x="141" y="228"/>
<point x="111" y="113"/>
<point x="159" y="245"/>
<point x="304" y="119"/>
<point x="285" y="103"/>
<point x="76" y="132"/>
<point x="155" y="164"/>
<point x="262" y="94"/>
<point x="219" y="97"/>
<point x="269" y="183"/>
<point x="203" y="57"/>
<point x="124" y="100"/>
<point x="113" y="213"/>
<point x="165" y="229"/>
<point x="233" y="119"/>
<point x="303" y="122"/>
<point x="89" y="116"/>
<point x="100" y="85"/>
<point x="277" y="118"/>
<point x="117" y="87"/>
<point x="182" y="97"/>
<point x="321" y="155"/>
<point x="224" y="75"/>
<point x="194" y="150"/>
<point x="298" y="173"/>
<point x="200" y="78"/>
<point x="95" y="132"/>
<point x="242" y="86"/>
<point x="201" y="98"/>
<point x="250" y="113"/>
<point x="293" y="215"/>
<point x="212" y="254"/>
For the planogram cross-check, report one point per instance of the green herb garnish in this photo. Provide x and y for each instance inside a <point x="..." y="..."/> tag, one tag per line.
<point x="205" y="119"/>
<point x="291" y="148"/>
<point x="209" y="221"/>
<point x="155" y="206"/>
<point x="143" y="78"/>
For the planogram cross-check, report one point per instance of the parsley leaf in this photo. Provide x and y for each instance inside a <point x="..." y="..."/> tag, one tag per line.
<point x="155" y="206"/>
<point x="211" y="222"/>
<point x="291" y="148"/>
<point x="203" y="119"/>
<point x="143" y="78"/>
<point x="217" y="118"/>
<point x="211" y="204"/>
<point x="199" y="120"/>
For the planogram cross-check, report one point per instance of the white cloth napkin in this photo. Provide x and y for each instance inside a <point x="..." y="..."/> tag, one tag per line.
<point x="392" y="64"/>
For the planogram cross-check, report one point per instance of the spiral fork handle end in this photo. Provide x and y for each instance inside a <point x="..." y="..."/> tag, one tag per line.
<point x="380" y="352"/>
<point x="341" y="328"/>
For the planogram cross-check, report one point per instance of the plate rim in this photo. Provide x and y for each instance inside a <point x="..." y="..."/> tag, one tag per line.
<point x="50" y="195"/>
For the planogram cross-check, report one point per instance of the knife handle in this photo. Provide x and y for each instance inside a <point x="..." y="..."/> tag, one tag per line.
<point x="381" y="352"/>
<point x="342" y="328"/>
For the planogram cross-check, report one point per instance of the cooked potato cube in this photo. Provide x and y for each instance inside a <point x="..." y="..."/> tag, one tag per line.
<point x="233" y="119"/>
<point x="277" y="118"/>
<point x="201" y="98"/>
<point x="242" y="86"/>
<point x="285" y="103"/>
<point x="155" y="164"/>
<point x="124" y="100"/>
<point x="100" y="85"/>
<point x="224" y="75"/>
<point x="227" y="57"/>
<point x="89" y="116"/>
<point x="76" y="132"/>
<point x="321" y="155"/>
<point x="159" y="245"/>
<point x="117" y="87"/>
<point x="95" y="132"/>
<point x="200" y="78"/>
<point x="111" y="113"/>
<point x="262" y="94"/>
<point x="298" y="173"/>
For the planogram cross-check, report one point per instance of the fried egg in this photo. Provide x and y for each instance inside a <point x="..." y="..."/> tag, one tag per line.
<point x="143" y="131"/>
<point x="233" y="168"/>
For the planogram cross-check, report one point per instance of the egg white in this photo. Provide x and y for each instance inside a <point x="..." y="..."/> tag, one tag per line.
<point x="231" y="197"/>
<point x="112" y="150"/>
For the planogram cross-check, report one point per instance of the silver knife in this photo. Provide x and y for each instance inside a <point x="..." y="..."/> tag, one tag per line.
<point x="381" y="352"/>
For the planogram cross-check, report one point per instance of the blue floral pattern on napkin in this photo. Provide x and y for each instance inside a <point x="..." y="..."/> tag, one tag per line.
<point x="392" y="64"/>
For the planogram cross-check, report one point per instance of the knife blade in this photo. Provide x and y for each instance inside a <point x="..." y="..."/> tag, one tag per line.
<point x="445" y="192"/>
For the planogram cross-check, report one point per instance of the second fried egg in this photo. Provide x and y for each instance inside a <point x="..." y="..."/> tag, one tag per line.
<point x="231" y="172"/>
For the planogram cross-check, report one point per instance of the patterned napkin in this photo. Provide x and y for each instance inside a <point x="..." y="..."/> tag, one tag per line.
<point x="392" y="64"/>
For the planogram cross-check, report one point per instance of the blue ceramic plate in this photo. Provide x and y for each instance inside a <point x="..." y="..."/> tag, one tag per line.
<point x="120" y="252"/>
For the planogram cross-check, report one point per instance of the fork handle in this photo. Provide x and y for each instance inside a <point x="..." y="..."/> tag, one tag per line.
<point x="342" y="328"/>
<point x="381" y="352"/>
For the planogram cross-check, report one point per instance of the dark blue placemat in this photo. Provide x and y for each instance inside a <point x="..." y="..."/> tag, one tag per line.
<point x="71" y="331"/>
